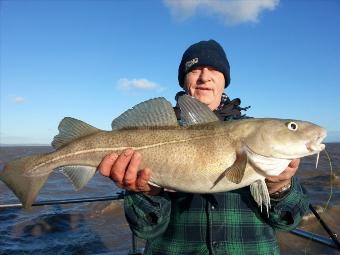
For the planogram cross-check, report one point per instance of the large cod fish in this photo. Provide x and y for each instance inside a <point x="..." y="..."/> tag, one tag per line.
<point x="203" y="155"/>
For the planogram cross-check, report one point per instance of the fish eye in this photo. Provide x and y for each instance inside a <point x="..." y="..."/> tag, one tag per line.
<point x="292" y="126"/>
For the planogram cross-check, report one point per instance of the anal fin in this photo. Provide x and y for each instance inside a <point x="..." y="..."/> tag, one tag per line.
<point x="78" y="175"/>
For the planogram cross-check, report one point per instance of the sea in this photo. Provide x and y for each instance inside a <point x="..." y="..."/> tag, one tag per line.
<point x="100" y="227"/>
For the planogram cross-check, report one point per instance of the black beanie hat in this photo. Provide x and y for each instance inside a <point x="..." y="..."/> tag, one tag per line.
<point x="204" y="53"/>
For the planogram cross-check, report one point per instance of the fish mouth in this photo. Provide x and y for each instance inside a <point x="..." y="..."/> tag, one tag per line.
<point x="316" y="145"/>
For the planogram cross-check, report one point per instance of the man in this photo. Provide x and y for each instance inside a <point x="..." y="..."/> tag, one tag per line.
<point x="221" y="223"/>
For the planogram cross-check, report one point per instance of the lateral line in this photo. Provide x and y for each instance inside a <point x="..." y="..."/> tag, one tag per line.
<point x="111" y="149"/>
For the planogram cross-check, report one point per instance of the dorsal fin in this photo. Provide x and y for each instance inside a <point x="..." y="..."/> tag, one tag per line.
<point x="156" y="112"/>
<point x="71" y="129"/>
<point x="194" y="112"/>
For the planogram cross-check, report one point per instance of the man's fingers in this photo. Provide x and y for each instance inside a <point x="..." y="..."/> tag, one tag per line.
<point x="130" y="176"/>
<point x="283" y="176"/>
<point x="106" y="164"/>
<point x="142" y="182"/>
<point x="118" y="169"/>
<point x="288" y="173"/>
<point x="272" y="179"/>
<point x="294" y="163"/>
<point x="143" y="185"/>
<point x="123" y="169"/>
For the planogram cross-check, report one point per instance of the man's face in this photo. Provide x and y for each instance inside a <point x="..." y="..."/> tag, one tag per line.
<point x="206" y="84"/>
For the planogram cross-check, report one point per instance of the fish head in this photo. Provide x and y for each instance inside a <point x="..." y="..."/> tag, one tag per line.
<point x="285" y="139"/>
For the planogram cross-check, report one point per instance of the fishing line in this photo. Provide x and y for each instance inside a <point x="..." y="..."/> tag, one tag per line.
<point x="332" y="235"/>
<point x="330" y="179"/>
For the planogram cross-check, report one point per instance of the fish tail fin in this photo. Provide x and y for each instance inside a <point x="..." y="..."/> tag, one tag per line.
<point x="25" y="187"/>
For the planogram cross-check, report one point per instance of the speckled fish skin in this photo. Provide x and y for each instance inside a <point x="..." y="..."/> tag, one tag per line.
<point x="188" y="159"/>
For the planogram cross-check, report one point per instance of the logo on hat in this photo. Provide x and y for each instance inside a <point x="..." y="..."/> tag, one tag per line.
<point x="190" y="63"/>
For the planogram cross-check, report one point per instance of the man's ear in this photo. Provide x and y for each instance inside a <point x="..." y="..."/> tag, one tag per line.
<point x="185" y="87"/>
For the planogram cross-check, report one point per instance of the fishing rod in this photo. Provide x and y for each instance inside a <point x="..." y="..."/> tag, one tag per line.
<point x="331" y="234"/>
<point x="118" y="196"/>
<point x="314" y="237"/>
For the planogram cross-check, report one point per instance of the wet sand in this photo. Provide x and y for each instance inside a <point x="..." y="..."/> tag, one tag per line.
<point x="101" y="228"/>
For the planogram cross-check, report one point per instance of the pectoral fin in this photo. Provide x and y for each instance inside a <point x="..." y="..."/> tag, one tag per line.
<point x="235" y="173"/>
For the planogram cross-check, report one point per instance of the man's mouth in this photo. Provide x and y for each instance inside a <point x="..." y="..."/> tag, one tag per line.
<point x="203" y="88"/>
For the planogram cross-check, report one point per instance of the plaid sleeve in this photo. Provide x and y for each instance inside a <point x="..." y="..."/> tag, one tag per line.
<point x="286" y="213"/>
<point x="148" y="216"/>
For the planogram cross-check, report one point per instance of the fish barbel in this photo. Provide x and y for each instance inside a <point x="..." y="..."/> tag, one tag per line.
<point x="203" y="155"/>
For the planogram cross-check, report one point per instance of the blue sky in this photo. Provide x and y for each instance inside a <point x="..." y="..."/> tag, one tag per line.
<point x="94" y="59"/>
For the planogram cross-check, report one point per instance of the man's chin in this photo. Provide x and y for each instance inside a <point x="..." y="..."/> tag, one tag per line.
<point x="204" y="99"/>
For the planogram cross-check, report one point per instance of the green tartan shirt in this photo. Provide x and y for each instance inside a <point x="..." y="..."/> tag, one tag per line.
<point x="220" y="223"/>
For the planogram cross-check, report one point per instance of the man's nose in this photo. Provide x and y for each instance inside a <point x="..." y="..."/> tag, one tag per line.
<point x="205" y="75"/>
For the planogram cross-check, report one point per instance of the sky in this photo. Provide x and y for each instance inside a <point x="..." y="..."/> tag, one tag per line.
<point x="94" y="59"/>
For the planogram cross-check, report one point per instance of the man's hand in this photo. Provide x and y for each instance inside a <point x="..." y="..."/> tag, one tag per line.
<point x="275" y="183"/>
<point x="124" y="170"/>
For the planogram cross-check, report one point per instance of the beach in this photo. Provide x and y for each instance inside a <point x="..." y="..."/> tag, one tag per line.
<point x="101" y="228"/>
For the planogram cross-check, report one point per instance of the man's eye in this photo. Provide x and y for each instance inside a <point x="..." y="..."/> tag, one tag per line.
<point x="195" y="71"/>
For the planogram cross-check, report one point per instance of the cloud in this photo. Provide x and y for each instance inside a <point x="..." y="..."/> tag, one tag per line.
<point x="140" y="84"/>
<point x="231" y="12"/>
<point x="19" y="100"/>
